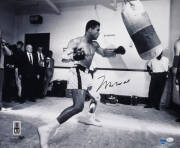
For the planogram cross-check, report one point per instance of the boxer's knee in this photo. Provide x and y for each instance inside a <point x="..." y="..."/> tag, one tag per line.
<point x="78" y="108"/>
<point x="92" y="106"/>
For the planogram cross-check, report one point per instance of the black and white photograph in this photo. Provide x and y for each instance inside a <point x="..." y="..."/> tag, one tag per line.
<point x="90" y="74"/>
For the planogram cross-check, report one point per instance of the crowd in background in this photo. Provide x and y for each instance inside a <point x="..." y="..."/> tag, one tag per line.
<point x="27" y="73"/>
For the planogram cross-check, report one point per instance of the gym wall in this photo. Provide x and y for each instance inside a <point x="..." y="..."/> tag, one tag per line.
<point x="71" y="24"/>
<point x="7" y="21"/>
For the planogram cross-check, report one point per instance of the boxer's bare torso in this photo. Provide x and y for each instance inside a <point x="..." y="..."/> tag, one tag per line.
<point x="89" y="47"/>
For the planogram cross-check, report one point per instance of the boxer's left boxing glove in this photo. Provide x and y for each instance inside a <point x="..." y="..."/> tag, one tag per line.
<point x="120" y="50"/>
<point x="78" y="54"/>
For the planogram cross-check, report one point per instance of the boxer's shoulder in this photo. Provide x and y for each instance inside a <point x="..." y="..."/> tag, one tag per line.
<point x="76" y="40"/>
<point x="96" y="44"/>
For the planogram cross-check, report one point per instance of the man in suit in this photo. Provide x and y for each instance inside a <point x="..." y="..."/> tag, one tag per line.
<point x="40" y="70"/>
<point x="28" y="74"/>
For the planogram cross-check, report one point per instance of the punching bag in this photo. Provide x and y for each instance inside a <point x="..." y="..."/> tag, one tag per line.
<point x="140" y="29"/>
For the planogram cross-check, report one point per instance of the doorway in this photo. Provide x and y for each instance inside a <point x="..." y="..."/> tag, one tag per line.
<point x="38" y="39"/>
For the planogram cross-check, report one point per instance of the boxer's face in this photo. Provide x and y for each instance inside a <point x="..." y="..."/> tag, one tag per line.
<point x="95" y="32"/>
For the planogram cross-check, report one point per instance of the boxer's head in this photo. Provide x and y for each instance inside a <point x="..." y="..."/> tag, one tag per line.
<point x="92" y="29"/>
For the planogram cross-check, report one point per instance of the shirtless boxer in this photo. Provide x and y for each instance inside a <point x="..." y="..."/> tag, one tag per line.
<point x="80" y="51"/>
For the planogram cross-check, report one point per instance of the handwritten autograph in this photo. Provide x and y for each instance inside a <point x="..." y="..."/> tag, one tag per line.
<point x="106" y="84"/>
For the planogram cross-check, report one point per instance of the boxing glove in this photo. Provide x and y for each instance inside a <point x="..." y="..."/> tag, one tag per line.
<point x="120" y="50"/>
<point x="78" y="54"/>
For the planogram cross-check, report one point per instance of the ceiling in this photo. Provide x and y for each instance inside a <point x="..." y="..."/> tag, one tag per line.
<point x="55" y="6"/>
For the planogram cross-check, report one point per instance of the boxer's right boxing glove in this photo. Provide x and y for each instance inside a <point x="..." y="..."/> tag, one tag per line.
<point x="78" y="54"/>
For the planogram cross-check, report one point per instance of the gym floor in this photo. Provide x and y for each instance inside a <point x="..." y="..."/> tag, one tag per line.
<point x="124" y="126"/>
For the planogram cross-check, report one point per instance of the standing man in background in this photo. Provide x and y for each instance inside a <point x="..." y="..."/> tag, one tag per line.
<point x="40" y="70"/>
<point x="4" y="50"/>
<point x="28" y="75"/>
<point x="158" y="68"/>
<point x="176" y="66"/>
<point x="49" y="71"/>
<point x="9" y="84"/>
<point x="18" y="55"/>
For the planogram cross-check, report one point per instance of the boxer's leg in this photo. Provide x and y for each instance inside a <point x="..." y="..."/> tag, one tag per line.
<point x="92" y="107"/>
<point x="78" y="105"/>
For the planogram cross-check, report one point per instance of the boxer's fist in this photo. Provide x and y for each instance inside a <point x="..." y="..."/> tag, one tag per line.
<point x="78" y="54"/>
<point x="120" y="50"/>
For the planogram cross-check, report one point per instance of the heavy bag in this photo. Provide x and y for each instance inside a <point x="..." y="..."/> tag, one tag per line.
<point x="140" y="29"/>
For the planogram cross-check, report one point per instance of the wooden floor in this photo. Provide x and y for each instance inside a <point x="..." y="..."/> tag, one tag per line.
<point x="124" y="126"/>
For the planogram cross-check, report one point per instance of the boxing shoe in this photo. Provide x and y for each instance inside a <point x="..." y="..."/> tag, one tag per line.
<point x="94" y="121"/>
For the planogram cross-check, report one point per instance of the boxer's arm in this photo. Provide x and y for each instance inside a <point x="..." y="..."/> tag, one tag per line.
<point x="109" y="52"/>
<point x="68" y="53"/>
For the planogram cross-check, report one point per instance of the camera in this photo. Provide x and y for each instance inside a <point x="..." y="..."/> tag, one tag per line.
<point x="4" y="43"/>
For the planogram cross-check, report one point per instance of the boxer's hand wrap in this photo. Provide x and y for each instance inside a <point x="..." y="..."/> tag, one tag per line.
<point x="120" y="50"/>
<point x="176" y="61"/>
<point x="78" y="54"/>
